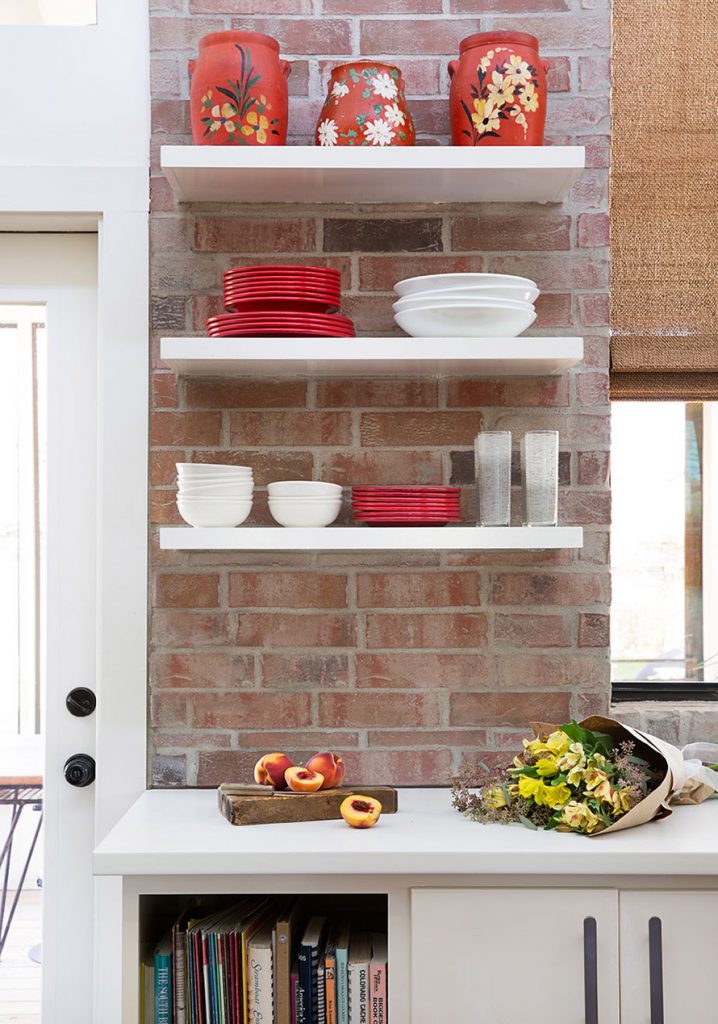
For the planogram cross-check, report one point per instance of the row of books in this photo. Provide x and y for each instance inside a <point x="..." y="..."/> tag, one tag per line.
<point x="268" y="960"/>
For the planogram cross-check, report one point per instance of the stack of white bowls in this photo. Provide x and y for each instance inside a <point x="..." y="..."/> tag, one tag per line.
<point x="214" y="495"/>
<point x="304" y="502"/>
<point x="465" y="305"/>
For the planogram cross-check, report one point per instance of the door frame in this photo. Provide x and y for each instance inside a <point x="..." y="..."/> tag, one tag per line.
<point x="114" y="201"/>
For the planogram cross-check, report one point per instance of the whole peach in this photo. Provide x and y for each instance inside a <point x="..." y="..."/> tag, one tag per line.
<point x="270" y="768"/>
<point x="330" y="766"/>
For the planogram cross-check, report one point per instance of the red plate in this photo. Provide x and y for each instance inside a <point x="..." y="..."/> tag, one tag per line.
<point x="278" y="332"/>
<point x="281" y="286"/>
<point x="249" y="316"/>
<point x="295" y="324"/>
<point x="299" y="270"/>
<point x="404" y="514"/>
<point x="406" y="508"/>
<point x="405" y="490"/>
<point x="281" y="305"/>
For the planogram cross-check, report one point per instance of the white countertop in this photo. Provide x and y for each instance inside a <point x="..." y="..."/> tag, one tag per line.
<point x="181" y="832"/>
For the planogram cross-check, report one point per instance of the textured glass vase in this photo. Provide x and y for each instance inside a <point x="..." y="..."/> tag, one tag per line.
<point x="539" y="476"/>
<point x="492" y="450"/>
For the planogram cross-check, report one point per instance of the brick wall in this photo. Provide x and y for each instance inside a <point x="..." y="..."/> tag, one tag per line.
<point x="404" y="662"/>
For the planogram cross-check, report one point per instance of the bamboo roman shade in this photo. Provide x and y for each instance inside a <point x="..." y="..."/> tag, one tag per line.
<point x="664" y="200"/>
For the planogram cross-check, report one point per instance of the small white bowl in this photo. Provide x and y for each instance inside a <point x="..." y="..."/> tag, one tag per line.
<point x="229" y="490"/>
<point x="465" y="322"/>
<point x="515" y="293"/>
<point x="306" y="514"/>
<point x="439" y="282"/>
<point x="214" y="512"/>
<point x="200" y="468"/>
<point x="448" y="300"/>
<point x="303" y="489"/>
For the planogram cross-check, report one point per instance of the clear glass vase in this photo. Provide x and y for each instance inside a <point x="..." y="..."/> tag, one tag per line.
<point x="492" y="452"/>
<point x="539" y="477"/>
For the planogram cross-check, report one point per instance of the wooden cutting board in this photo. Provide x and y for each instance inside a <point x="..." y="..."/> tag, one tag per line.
<point x="261" y="805"/>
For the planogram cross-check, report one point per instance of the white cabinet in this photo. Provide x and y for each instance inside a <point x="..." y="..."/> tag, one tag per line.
<point x="495" y="956"/>
<point x="669" y="957"/>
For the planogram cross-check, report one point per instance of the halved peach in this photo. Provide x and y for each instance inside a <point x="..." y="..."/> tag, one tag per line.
<point x="360" y="811"/>
<point x="270" y="768"/>
<point x="301" y="780"/>
<point x="330" y="766"/>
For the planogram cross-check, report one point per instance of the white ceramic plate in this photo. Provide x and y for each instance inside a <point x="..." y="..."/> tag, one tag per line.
<point x="465" y="321"/>
<point x="439" y="282"/>
<point x="513" y="292"/>
<point x="448" y="300"/>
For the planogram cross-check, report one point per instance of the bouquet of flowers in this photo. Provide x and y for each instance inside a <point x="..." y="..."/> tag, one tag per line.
<point x="592" y="777"/>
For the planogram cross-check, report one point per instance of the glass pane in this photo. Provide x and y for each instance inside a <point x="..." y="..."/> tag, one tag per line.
<point x="48" y="12"/>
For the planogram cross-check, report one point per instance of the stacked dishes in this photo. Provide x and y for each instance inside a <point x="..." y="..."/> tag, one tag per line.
<point x="280" y="301"/>
<point x="406" y="506"/>
<point x="304" y="502"/>
<point x="214" y="495"/>
<point x="465" y="305"/>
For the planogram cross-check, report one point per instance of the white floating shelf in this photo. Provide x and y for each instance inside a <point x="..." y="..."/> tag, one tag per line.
<point x="371" y="357"/>
<point x="371" y="538"/>
<point x="345" y="174"/>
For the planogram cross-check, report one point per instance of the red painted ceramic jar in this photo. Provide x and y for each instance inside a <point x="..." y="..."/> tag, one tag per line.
<point x="498" y="91"/>
<point x="238" y="94"/>
<point x="365" y="106"/>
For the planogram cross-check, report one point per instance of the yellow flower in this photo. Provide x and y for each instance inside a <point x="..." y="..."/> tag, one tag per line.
<point x="223" y="118"/>
<point x="593" y="777"/>
<point x="256" y="123"/>
<point x="556" y="796"/>
<point x="494" y="798"/>
<point x="558" y="743"/>
<point x="604" y="792"/>
<point x="580" y="817"/>
<point x="529" y="98"/>
<point x="501" y="90"/>
<point x="546" y="767"/>
<point x="531" y="789"/>
<point x="518" y="69"/>
<point x="541" y="794"/>
<point x="623" y="800"/>
<point x="486" y="117"/>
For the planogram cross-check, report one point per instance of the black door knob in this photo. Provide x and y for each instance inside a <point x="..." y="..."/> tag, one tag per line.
<point x="81" y="702"/>
<point x="80" y="770"/>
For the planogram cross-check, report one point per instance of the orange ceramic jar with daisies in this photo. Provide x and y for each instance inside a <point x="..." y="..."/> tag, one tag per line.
<point x="238" y="95"/>
<point x="498" y="91"/>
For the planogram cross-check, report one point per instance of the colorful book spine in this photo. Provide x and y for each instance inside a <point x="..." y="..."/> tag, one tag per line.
<point x="294" y="995"/>
<point x="163" y="988"/>
<point x="330" y="988"/>
<point x="358" y="993"/>
<point x="306" y="987"/>
<point x="342" y="984"/>
<point x="377" y="993"/>
<point x="259" y="995"/>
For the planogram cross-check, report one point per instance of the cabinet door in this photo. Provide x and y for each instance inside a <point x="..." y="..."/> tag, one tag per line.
<point x="669" y="957"/>
<point x="502" y="956"/>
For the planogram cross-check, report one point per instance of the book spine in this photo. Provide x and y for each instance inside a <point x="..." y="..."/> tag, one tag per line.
<point x="306" y="1002"/>
<point x="330" y="990"/>
<point x="179" y="986"/>
<point x="294" y="999"/>
<point x="260" y="1001"/>
<point x="342" y="983"/>
<point x="282" y="972"/>
<point x="359" y="993"/>
<point x="163" y="989"/>
<point x="378" y="994"/>
<point x="320" y="1014"/>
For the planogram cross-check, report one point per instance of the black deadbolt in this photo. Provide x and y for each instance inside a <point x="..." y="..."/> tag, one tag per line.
<point x="80" y="770"/>
<point x="81" y="702"/>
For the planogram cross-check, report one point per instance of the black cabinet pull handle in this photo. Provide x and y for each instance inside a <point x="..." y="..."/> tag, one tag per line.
<point x="590" y="970"/>
<point x="655" y="968"/>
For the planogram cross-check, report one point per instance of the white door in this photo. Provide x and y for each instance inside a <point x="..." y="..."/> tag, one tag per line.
<point x="58" y="275"/>
<point x="669" y="957"/>
<point x="500" y="956"/>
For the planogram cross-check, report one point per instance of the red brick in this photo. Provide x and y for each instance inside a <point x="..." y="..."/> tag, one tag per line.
<point x="554" y="310"/>
<point x="366" y="7"/>
<point x="594" y="74"/>
<point x="508" y="6"/>
<point x="186" y="428"/>
<point x="192" y="739"/>
<point x="563" y="31"/>
<point x="526" y="630"/>
<point x="277" y="629"/>
<point x="216" y="766"/>
<point x="381" y="273"/>
<point x="250" y="6"/>
<point x="423" y="671"/>
<point x="593" y="468"/>
<point x="239" y="393"/>
<point x="418" y="590"/>
<point x="187" y="590"/>
<point x="189" y="628"/>
<point x="164" y="77"/>
<point x="169" y="770"/>
<point x="460" y="629"/>
<point x="432" y="738"/>
<point x="206" y="669"/>
<point x="558" y="78"/>
<point x="267" y="466"/>
<point x="304" y="35"/>
<point x="375" y="319"/>
<point x="355" y="394"/>
<point x="302" y="671"/>
<point x="342" y="234"/>
<point x="378" y="709"/>
<point x="557" y="271"/>
<point x="517" y="709"/>
<point x="170" y="117"/>
<point x="287" y="590"/>
<point x="593" y="630"/>
<point x="161" y="195"/>
<point x="164" y="391"/>
<point x="596" y="548"/>
<point x="542" y="391"/>
<point x="584" y="508"/>
<point x="578" y="113"/>
<point x="541" y="588"/>
<point x="244" y="234"/>
<point x="168" y="710"/>
<point x="592" y="388"/>
<point x="540" y="229"/>
<point x="250" y="710"/>
<point x="399" y="767"/>
<point x="299" y="77"/>
<point x="306" y="740"/>
<point x="598" y="149"/>
<point x="425" y="35"/>
<point x="162" y="466"/>
<point x="287" y="428"/>
<point x="593" y="229"/>
<point x="407" y="429"/>
<point x="381" y="468"/>
<point x="181" y="33"/>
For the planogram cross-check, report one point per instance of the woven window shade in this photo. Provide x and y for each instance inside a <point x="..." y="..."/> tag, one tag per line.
<point x="664" y="200"/>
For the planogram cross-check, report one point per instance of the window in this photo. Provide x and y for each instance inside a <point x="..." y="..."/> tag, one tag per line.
<point x="664" y="550"/>
<point x="48" y="12"/>
<point x="22" y="532"/>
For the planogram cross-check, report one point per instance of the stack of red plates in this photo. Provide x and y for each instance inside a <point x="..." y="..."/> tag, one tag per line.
<point x="280" y="325"/>
<point x="406" y="506"/>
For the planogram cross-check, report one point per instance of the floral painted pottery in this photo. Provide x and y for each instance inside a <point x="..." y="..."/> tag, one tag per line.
<point x="238" y="94"/>
<point x="365" y="106"/>
<point x="498" y="91"/>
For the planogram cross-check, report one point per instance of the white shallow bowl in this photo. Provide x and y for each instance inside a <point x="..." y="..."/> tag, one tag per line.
<point x="479" y="303"/>
<point x="303" y="489"/>
<point x="211" y="469"/>
<point x="306" y="514"/>
<point x="214" y="512"/>
<point x="513" y="292"/>
<point x="465" y="322"/>
<point x="439" y="282"/>
<point x="228" y="490"/>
